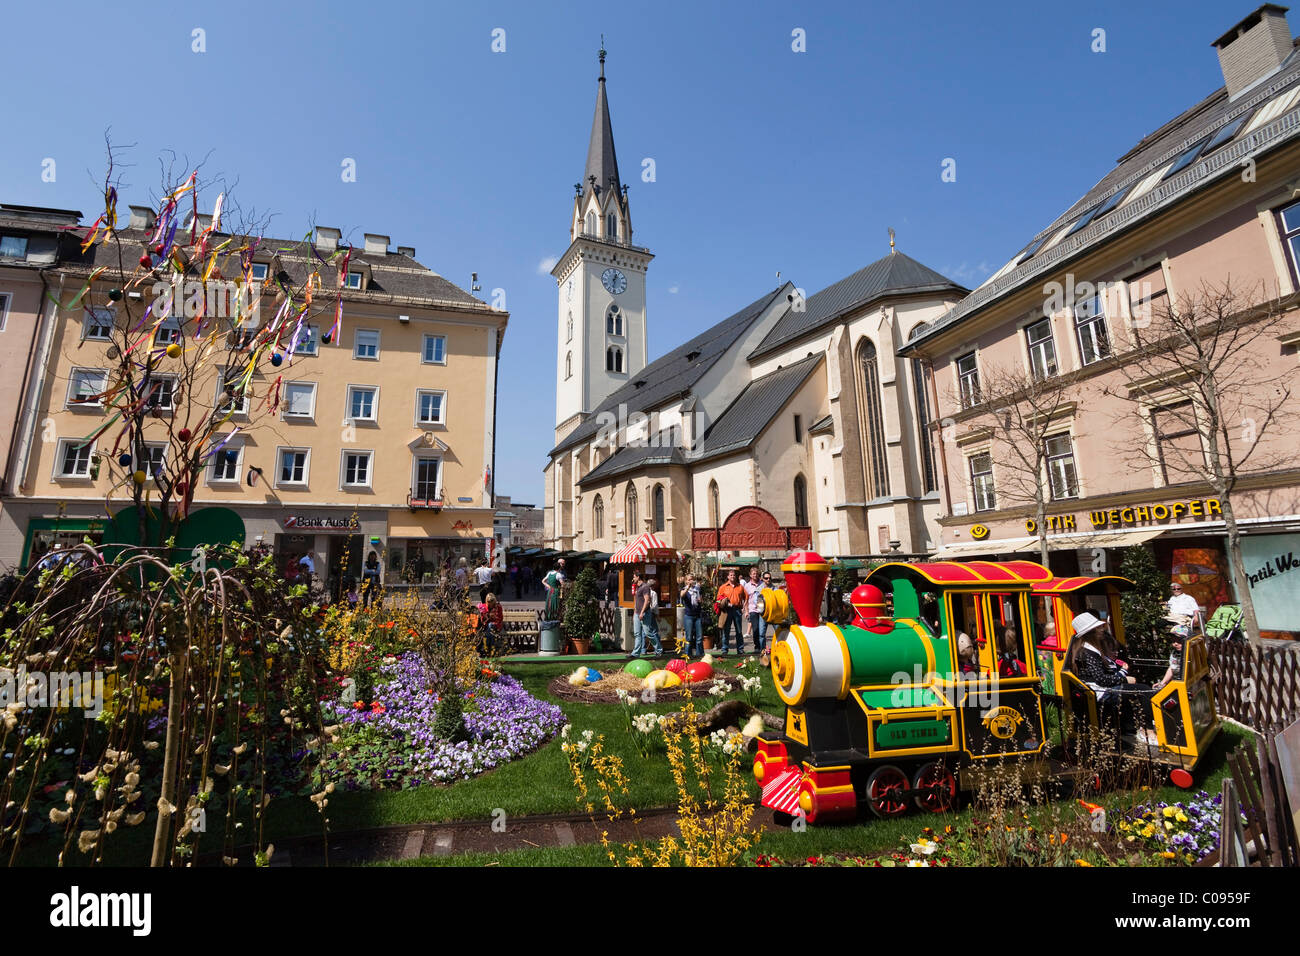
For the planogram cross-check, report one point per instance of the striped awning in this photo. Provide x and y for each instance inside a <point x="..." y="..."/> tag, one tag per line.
<point x="638" y="549"/>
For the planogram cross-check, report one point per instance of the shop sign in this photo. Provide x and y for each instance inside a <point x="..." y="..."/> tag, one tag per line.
<point x="1054" y="523"/>
<point x="463" y="526"/>
<point x="465" y="500"/>
<point x="1115" y="517"/>
<point x="979" y="532"/>
<point x="1273" y="571"/>
<point x="320" y="523"/>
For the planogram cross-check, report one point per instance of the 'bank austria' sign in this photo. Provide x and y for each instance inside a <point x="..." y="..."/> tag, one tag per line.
<point x="320" y="523"/>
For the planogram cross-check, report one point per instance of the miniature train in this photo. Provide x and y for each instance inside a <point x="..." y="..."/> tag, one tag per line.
<point x="944" y="669"/>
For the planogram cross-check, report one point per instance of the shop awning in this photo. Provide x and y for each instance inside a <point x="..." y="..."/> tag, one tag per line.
<point x="638" y="549"/>
<point x="746" y="560"/>
<point x="970" y="549"/>
<point x="1095" y="539"/>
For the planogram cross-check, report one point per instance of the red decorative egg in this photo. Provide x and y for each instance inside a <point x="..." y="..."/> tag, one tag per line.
<point x="697" y="671"/>
<point x="183" y="434"/>
<point x="146" y="262"/>
<point x="675" y="666"/>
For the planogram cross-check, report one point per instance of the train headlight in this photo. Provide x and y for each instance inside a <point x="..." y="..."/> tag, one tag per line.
<point x="773" y="605"/>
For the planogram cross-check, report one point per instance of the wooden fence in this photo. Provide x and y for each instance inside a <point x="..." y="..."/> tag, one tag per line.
<point x="1259" y="688"/>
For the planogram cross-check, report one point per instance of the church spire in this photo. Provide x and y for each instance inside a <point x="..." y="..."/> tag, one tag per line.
<point x="602" y="166"/>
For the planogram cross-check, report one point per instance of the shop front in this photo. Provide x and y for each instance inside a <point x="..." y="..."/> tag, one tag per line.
<point x="337" y="541"/>
<point x="424" y="545"/>
<point x="1186" y="535"/>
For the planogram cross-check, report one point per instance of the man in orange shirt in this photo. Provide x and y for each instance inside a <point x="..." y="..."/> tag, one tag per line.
<point x="731" y="602"/>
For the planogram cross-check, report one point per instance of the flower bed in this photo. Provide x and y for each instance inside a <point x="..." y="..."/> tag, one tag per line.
<point x="391" y="742"/>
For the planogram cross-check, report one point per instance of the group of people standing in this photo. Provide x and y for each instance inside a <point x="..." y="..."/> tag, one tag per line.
<point x="737" y="598"/>
<point x="736" y="603"/>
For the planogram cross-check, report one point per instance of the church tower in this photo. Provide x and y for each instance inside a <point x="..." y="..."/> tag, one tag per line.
<point x="601" y="283"/>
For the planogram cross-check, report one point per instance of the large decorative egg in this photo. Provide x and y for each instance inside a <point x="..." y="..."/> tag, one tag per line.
<point x="276" y="359"/>
<point x="124" y="460"/>
<point x="676" y="665"/>
<point x="638" y="668"/>
<point x="697" y="671"/>
<point x="593" y="675"/>
<point x="173" y="350"/>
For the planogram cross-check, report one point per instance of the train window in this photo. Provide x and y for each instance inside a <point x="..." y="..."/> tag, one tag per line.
<point x="968" y="618"/>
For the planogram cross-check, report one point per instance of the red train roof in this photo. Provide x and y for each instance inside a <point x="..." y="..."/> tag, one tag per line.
<point x="1066" y="585"/>
<point x="971" y="572"/>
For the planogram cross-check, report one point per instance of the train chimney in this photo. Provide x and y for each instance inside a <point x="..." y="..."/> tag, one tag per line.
<point x="806" y="574"/>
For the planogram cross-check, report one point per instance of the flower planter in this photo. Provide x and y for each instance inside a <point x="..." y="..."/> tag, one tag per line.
<point x="548" y="639"/>
<point x="708" y="643"/>
<point x="581" y="645"/>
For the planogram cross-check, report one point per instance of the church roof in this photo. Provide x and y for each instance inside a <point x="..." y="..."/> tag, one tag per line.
<point x="755" y="408"/>
<point x="601" y="161"/>
<point x="633" y="458"/>
<point x="672" y="374"/>
<point x="895" y="274"/>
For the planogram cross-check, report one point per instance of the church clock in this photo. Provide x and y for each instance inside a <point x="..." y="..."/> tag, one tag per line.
<point x="615" y="282"/>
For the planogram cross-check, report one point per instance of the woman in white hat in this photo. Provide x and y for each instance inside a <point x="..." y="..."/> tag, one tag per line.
<point x="1087" y="662"/>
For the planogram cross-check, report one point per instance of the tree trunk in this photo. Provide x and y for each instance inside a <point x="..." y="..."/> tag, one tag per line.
<point x="1041" y="519"/>
<point x="1240" y="580"/>
<point x="170" y="759"/>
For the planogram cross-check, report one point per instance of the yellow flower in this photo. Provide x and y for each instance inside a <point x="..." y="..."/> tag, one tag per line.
<point x="1082" y="862"/>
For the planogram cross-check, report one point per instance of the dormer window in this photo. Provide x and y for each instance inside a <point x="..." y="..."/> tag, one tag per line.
<point x="14" y="247"/>
<point x="353" y="280"/>
<point x="259" y="271"/>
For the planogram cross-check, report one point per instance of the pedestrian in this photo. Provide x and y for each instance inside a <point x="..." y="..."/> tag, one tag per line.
<point x="490" y="622"/>
<point x="370" y="578"/>
<point x="753" y="589"/>
<point x="352" y="596"/>
<point x="291" y="569"/>
<point x="730" y="602"/>
<point x="553" y="584"/>
<point x="515" y="580"/>
<point x="483" y="578"/>
<point x="692" y="616"/>
<point x="638" y="606"/>
<point x="306" y="568"/>
<point x="649" y="593"/>
<point x="462" y="575"/>
<point x="611" y="583"/>
<point x="526" y="579"/>
<point x="1182" y="604"/>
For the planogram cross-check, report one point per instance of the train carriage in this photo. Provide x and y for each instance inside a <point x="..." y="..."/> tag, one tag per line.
<point x="937" y="675"/>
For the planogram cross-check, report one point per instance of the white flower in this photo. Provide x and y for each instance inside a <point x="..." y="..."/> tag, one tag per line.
<point x="925" y="847"/>
<point x="621" y="694"/>
<point x="918" y="862"/>
<point x="564" y="731"/>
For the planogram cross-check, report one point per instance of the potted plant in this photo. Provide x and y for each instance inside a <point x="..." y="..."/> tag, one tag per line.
<point x="582" y="612"/>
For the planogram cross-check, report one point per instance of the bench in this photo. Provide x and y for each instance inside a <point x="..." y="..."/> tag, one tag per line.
<point x="521" y="630"/>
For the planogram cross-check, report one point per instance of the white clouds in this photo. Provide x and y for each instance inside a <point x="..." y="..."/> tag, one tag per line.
<point x="672" y="290"/>
<point x="546" y="265"/>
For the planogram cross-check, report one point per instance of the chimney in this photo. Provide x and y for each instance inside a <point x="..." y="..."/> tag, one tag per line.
<point x="141" y="217"/>
<point x="327" y="239"/>
<point x="376" y="245"/>
<point x="200" y="222"/>
<point x="1254" y="48"/>
<point x="408" y="251"/>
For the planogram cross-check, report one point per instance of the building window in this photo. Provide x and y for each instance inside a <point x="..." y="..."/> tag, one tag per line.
<point x="920" y="397"/>
<point x="73" y="458"/>
<point x="1178" y="441"/>
<point x="225" y="463"/>
<point x="366" y="344"/>
<point x="354" y="280"/>
<point x="1061" y="473"/>
<point x="800" y="502"/>
<point x="300" y="400"/>
<point x="14" y="247"/>
<point x="155" y="456"/>
<point x="356" y="468"/>
<point x="968" y="381"/>
<point x="591" y="224"/>
<point x="659" y="507"/>
<point x="162" y="393"/>
<point x="435" y="350"/>
<point x="877" y="465"/>
<point x="568" y="365"/>
<point x="431" y="407"/>
<point x="86" y="387"/>
<point x="715" y="511"/>
<point x="424" y="484"/>
<point x="613" y="359"/>
<point x="308" y="341"/>
<point x="568" y="329"/>
<point x="363" y="402"/>
<point x="232" y="396"/>
<point x="630" y="510"/>
<point x="798" y="430"/>
<point x="1042" y="350"/>
<point x="1148" y="296"/>
<point x="1288" y="220"/>
<point x="1090" y="327"/>
<point x="169" y="332"/>
<point x="5" y="299"/>
<point x="293" y="466"/>
<point x="598" y="517"/>
<point x="614" y="319"/>
<point x="259" y="271"/>
<point x="98" y="325"/>
<point x="981" y="482"/>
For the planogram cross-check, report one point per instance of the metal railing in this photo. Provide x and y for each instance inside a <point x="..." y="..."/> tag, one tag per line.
<point x="621" y="243"/>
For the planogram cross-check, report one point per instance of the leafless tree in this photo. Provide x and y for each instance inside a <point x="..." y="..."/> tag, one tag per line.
<point x="1021" y="411"/>
<point x="1201" y="372"/>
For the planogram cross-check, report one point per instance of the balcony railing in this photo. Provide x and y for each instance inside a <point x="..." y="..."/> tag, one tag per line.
<point x="621" y="243"/>
<point x="423" y="504"/>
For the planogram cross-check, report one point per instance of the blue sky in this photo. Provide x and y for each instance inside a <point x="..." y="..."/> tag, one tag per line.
<point x="766" y="159"/>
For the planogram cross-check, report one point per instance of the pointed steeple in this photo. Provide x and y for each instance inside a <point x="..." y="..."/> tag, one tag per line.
<point x="601" y="162"/>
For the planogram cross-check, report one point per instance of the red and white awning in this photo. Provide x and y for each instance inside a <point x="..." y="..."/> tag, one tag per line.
<point x="638" y="549"/>
<point x="781" y="792"/>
